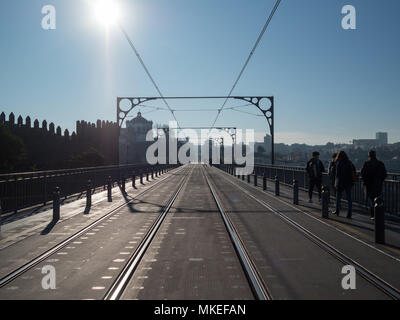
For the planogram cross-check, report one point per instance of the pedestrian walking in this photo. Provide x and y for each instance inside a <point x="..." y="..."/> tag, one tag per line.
<point x="373" y="174"/>
<point x="344" y="180"/>
<point x="314" y="169"/>
<point x="332" y="172"/>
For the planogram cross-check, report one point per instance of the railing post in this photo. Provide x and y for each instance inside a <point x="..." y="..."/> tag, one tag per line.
<point x="109" y="196"/>
<point x="16" y="194"/>
<point x="264" y="182"/>
<point x="325" y="202"/>
<point x="243" y="177"/>
<point x="89" y="194"/>
<point x="255" y="178"/>
<point x="141" y="176"/>
<point x="123" y="183"/>
<point x="56" y="204"/>
<point x="133" y="180"/>
<point x="1" y="217"/>
<point x="277" y="192"/>
<point x="379" y="220"/>
<point x="45" y="189"/>
<point x="147" y="174"/>
<point x="152" y="173"/>
<point x="248" y="178"/>
<point x="295" y="192"/>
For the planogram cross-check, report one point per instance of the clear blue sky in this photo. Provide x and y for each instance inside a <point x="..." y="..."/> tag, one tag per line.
<point x="329" y="84"/>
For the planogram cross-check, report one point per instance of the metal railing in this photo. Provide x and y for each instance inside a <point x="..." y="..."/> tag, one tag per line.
<point x="286" y="175"/>
<point x="26" y="189"/>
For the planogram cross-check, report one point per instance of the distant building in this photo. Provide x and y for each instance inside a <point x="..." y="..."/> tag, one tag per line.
<point x="263" y="147"/>
<point x="380" y="140"/>
<point x="364" y="143"/>
<point x="132" y="140"/>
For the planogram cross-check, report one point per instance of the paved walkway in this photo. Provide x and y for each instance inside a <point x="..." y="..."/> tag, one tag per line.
<point x="191" y="255"/>
<point x="28" y="237"/>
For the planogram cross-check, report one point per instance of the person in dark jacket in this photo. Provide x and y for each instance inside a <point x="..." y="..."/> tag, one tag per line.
<point x="373" y="174"/>
<point x="344" y="180"/>
<point x="314" y="169"/>
<point x="332" y="172"/>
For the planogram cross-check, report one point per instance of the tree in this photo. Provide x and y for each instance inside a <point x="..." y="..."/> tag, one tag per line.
<point x="12" y="150"/>
<point x="89" y="158"/>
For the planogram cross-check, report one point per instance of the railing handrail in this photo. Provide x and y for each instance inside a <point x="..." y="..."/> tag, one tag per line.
<point x="7" y="176"/>
<point x="297" y="168"/>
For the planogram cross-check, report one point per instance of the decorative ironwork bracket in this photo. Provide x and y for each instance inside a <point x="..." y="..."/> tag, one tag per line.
<point x="267" y="110"/>
<point x="123" y="113"/>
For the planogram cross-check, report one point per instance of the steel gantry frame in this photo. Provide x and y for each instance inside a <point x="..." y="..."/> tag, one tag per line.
<point x="258" y="101"/>
<point x="230" y="130"/>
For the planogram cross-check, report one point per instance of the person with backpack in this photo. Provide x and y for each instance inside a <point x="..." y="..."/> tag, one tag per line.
<point x="373" y="174"/>
<point x="314" y="169"/>
<point x="344" y="180"/>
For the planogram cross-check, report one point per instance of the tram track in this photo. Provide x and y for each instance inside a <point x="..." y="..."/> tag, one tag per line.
<point x="368" y="275"/>
<point x="117" y="288"/>
<point x="254" y="280"/>
<point x="257" y="284"/>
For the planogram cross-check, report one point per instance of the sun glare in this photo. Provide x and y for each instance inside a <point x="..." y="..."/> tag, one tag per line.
<point x="106" y="11"/>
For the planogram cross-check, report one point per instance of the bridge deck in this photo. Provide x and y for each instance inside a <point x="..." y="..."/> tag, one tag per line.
<point x="137" y="247"/>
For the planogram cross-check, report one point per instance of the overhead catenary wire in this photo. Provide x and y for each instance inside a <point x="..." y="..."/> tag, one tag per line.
<point x="252" y="114"/>
<point x="235" y="108"/>
<point x="248" y="58"/>
<point x="148" y="72"/>
<point x="195" y="109"/>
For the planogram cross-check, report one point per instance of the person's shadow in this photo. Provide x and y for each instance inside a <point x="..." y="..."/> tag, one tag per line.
<point x="49" y="227"/>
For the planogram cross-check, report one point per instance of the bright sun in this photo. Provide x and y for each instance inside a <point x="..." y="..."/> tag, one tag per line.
<point x="106" y="12"/>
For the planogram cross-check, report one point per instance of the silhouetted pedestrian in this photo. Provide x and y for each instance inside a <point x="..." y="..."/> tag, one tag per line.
<point x="373" y="174"/>
<point x="332" y="172"/>
<point x="314" y="169"/>
<point x="344" y="180"/>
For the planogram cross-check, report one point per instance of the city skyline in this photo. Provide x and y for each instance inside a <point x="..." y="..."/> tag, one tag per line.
<point x="259" y="136"/>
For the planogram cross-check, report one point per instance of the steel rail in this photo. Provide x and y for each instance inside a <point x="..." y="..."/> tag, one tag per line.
<point x="258" y="286"/>
<point x="27" y="266"/>
<point x="368" y="275"/>
<point x="117" y="288"/>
